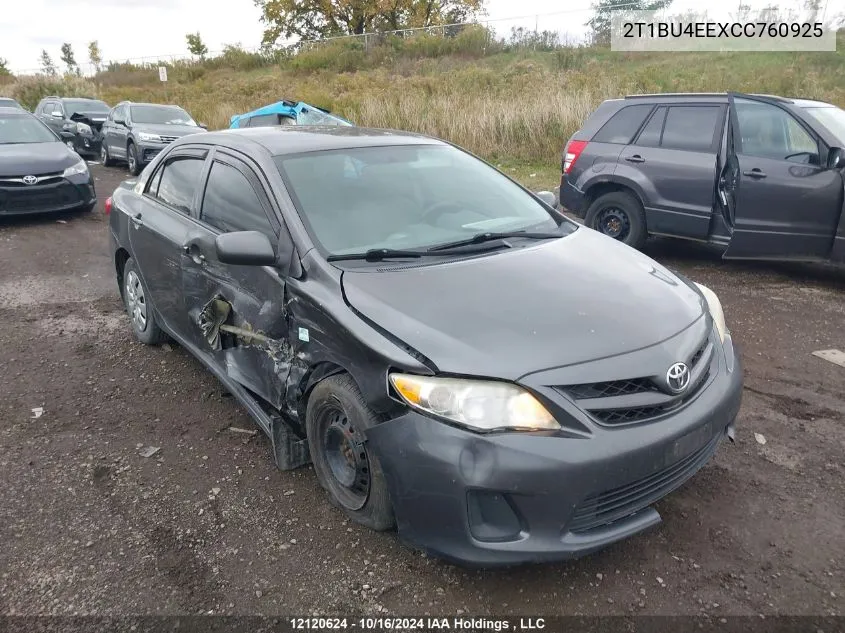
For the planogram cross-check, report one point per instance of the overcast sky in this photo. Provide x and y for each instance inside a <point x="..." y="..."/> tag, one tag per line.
<point x="129" y="29"/>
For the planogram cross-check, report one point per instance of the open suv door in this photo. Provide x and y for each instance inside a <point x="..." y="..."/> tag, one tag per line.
<point x="780" y="198"/>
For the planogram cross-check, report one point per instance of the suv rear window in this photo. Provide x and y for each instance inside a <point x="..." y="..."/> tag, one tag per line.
<point x="690" y="128"/>
<point x="622" y="126"/>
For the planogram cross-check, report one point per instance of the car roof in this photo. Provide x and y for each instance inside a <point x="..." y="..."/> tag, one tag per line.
<point x="680" y="96"/>
<point x="284" y="140"/>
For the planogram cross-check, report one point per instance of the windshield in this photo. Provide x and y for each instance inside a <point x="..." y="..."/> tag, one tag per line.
<point x="8" y="103"/>
<point x="72" y="105"/>
<point x="168" y="115"/>
<point x="405" y="197"/>
<point x="312" y="116"/>
<point x="24" y="129"/>
<point x="832" y="118"/>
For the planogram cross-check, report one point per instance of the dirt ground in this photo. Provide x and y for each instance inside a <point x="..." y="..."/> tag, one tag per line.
<point x="208" y="525"/>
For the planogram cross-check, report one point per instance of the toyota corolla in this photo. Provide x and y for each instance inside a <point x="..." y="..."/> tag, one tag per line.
<point x="456" y="358"/>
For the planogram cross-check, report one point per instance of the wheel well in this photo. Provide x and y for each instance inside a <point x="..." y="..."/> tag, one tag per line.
<point x="602" y="188"/>
<point x="312" y="377"/>
<point x="120" y="259"/>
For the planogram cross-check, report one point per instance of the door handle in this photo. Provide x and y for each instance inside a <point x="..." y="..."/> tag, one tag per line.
<point x="754" y="173"/>
<point x="191" y="251"/>
<point x="636" y="158"/>
<point x="137" y="221"/>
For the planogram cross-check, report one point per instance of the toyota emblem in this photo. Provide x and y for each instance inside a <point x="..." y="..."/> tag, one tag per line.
<point x="678" y="377"/>
<point x="30" y="180"/>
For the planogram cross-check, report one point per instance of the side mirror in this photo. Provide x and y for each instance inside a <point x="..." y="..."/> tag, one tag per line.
<point x="120" y="121"/>
<point x="245" y="248"/>
<point x="57" y="115"/>
<point x="836" y="158"/>
<point x="202" y="125"/>
<point x="548" y="197"/>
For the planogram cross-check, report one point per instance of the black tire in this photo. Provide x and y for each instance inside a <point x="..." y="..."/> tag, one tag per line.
<point x="335" y="421"/>
<point x="105" y="158"/>
<point x="147" y="330"/>
<point x="132" y="159"/>
<point x="619" y="215"/>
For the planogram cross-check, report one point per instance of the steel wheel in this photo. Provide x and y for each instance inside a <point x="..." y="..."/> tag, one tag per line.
<point x="343" y="446"/>
<point x="135" y="302"/>
<point x="613" y="222"/>
<point x="104" y="155"/>
<point x="130" y="158"/>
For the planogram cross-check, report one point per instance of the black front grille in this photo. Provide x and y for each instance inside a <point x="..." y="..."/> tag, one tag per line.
<point x="618" y="503"/>
<point x="630" y="400"/>
<point x="38" y="197"/>
<point x="610" y="388"/>
<point x="167" y="139"/>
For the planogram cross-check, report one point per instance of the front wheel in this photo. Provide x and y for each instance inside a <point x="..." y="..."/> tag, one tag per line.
<point x="132" y="159"/>
<point x="336" y="420"/>
<point x="618" y="215"/>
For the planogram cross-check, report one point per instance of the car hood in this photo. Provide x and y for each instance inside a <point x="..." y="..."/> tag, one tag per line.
<point x="167" y="129"/>
<point x="35" y="158"/>
<point x="578" y="298"/>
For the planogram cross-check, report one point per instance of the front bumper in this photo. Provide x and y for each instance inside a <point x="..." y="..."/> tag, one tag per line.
<point x="87" y="145"/>
<point x="148" y="150"/>
<point x="56" y="195"/>
<point x="513" y="498"/>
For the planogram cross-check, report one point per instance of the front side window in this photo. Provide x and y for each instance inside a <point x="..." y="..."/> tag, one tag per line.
<point x="178" y="182"/>
<point x="767" y="131"/>
<point x="231" y="204"/>
<point x="404" y="197"/>
<point x="691" y="128"/>
<point x="163" y="115"/>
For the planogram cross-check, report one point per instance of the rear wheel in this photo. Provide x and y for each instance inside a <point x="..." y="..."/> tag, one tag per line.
<point x="618" y="215"/>
<point x="132" y="159"/>
<point x="104" y="155"/>
<point x="136" y="300"/>
<point x="336" y="420"/>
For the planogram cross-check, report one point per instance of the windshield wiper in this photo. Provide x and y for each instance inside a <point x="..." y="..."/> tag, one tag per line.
<point x="375" y="255"/>
<point x="480" y="238"/>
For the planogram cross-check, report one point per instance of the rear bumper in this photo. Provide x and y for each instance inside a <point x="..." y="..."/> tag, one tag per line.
<point x="572" y="199"/>
<point x="513" y="498"/>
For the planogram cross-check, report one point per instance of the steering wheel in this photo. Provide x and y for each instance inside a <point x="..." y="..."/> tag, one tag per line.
<point x="433" y="213"/>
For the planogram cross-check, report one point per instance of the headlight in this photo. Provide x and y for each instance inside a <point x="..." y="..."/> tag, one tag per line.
<point x="83" y="128"/>
<point x="70" y="126"/>
<point x="146" y="136"/>
<point x="483" y="405"/>
<point x="715" y="307"/>
<point x="77" y="168"/>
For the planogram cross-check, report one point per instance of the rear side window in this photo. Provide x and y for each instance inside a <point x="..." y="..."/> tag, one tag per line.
<point x="650" y="136"/>
<point x="231" y="203"/>
<point x="263" y="120"/>
<point x="691" y="128"/>
<point x="179" y="181"/>
<point x="623" y="125"/>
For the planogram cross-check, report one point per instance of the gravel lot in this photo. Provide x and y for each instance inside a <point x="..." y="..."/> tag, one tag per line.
<point x="207" y="524"/>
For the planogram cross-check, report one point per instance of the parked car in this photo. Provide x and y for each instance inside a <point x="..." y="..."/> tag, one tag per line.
<point x="287" y="112"/>
<point x="761" y="176"/>
<point x="137" y="132"/>
<point x="537" y="417"/>
<point x="8" y="102"/>
<point x="78" y="122"/>
<point x="38" y="172"/>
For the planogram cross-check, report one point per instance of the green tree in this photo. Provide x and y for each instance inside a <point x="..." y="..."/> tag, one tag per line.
<point x="604" y="10"/>
<point x="311" y="19"/>
<point x="47" y="65"/>
<point x="196" y="45"/>
<point x="68" y="58"/>
<point x="95" y="56"/>
<point x="4" y="67"/>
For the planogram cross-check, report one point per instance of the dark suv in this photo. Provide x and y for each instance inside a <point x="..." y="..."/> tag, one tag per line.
<point x="137" y="132"/>
<point x="77" y="121"/>
<point x="761" y="176"/>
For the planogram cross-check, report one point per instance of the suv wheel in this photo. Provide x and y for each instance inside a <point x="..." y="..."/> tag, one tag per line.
<point x="132" y="159"/>
<point x="336" y="420"/>
<point x="618" y="215"/>
<point x="105" y="159"/>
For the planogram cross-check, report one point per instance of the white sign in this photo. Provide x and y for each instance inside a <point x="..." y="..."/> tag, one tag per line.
<point x="162" y="73"/>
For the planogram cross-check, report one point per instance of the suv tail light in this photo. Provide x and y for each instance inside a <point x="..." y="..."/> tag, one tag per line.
<point x="107" y="205"/>
<point x="571" y="153"/>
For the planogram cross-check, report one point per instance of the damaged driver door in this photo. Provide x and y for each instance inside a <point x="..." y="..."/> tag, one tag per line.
<point x="237" y="313"/>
